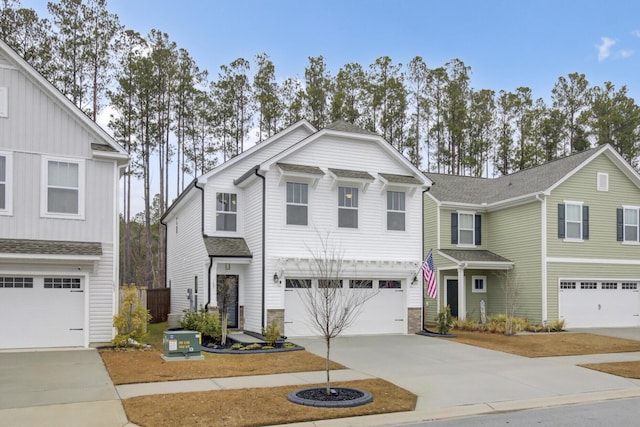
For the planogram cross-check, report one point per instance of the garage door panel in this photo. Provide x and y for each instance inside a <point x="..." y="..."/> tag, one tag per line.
<point x="43" y="317"/>
<point x="593" y="303"/>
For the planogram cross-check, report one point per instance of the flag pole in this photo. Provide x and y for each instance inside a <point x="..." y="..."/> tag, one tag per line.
<point x="424" y="311"/>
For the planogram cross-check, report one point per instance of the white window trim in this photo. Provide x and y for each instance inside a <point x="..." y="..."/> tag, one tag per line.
<point x="624" y="224"/>
<point x="572" y="239"/>
<point x="599" y="178"/>
<point x="348" y="207"/>
<point x="4" y="102"/>
<point x="227" y="212"/>
<point x="287" y="203"/>
<point x="8" y="190"/>
<point x="484" y="284"/>
<point x="387" y="210"/>
<point x="473" y="229"/>
<point x="44" y="184"/>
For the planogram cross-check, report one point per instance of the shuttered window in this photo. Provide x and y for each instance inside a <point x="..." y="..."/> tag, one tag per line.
<point x="466" y="228"/>
<point x="628" y="224"/>
<point x="573" y="221"/>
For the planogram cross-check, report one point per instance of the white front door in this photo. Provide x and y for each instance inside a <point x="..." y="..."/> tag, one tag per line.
<point x="42" y="312"/>
<point x="595" y="303"/>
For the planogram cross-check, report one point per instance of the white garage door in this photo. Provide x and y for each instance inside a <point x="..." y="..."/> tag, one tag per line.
<point x="383" y="313"/>
<point x="593" y="303"/>
<point x="41" y="311"/>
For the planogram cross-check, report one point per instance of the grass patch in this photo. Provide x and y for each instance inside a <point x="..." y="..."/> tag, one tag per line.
<point x="547" y="344"/>
<point x="257" y="406"/>
<point x="143" y="366"/>
<point x="621" y="369"/>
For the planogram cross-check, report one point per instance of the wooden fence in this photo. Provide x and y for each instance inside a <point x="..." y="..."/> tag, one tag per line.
<point x="158" y="303"/>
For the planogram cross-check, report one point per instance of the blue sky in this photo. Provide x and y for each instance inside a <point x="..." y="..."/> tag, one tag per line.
<point x="507" y="44"/>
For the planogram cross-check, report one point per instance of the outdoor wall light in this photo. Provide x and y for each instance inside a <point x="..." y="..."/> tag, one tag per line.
<point x="275" y="277"/>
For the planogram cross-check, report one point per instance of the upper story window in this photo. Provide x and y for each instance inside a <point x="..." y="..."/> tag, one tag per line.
<point x="4" y="104"/>
<point x="297" y="203"/>
<point x="63" y="193"/>
<point x="573" y="221"/>
<point x="396" y="210"/>
<point x="5" y="183"/>
<point x="466" y="228"/>
<point x="347" y="207"/>
<point x="628" y="224"/>
<point x="226" y="211"/>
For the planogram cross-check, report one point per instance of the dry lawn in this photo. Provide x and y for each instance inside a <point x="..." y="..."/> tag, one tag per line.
<point x="257" y="406"/>
<point x="547" y="344"/>
<point x="137" y="366"/>
<point x="621" y="369"/>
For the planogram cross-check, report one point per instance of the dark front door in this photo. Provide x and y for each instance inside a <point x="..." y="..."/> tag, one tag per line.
<point x="227" y="295"/>
<point x="452" y="296"/>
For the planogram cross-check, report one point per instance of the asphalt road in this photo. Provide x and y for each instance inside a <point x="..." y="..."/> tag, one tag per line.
<point x="619" y="413"/>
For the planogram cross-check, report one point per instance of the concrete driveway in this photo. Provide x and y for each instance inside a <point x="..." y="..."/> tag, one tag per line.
<point x="446" y="374"/>
<point x="62" y="387"/>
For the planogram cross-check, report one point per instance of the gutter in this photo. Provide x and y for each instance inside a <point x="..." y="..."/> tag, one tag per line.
<point x="264" y="221"/>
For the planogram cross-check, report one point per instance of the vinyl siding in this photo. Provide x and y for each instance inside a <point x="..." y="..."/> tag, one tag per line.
<point x="252" y="286"/>
<point x="101" y="298"/>
<point x="445" y="230"/>
<point x="516" y="234"/>
<point x="186" y="254"/>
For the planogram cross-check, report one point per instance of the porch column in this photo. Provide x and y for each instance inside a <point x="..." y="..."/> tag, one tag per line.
<point x="462" y="295"/>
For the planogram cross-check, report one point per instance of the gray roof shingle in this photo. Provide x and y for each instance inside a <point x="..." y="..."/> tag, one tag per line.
<point x="462" y="189"/>
<point x="102" y="147"/>
<point x="345" y="173"/>
<point x="49" y="247"/>
<point x="400" y="179"/>
<point x="233" y="247"/>
<point x="473" y="255"/>
<point x="344" y="126"/>
<point x="313" y="170"/>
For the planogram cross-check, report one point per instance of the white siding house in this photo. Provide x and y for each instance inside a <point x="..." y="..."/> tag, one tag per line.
<point x="58" y="238"/>
<point x="256" y="220"/>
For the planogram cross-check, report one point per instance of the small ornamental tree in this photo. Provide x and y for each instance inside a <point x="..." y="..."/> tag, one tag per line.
<point x="331" y="305"/>
<point x="131" y="321"/>
<point x="511" y="290"/>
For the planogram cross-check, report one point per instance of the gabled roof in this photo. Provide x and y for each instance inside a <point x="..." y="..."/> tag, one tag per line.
<point x="106" y="145"/>
<point x="539" y="179"/>
<point x="476" y="258"/>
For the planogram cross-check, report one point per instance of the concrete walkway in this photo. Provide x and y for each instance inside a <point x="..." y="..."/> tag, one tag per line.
<point x="72" y="388"/>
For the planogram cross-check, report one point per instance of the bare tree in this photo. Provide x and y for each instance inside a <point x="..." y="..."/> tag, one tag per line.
<point x="510" y="289"/>
<point x="331" y="302"/>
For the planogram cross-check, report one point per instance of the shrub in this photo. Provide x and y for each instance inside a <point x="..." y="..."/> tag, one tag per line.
<point x="131" y="321"/>
<point x="203" y="321"/>
<point x="253" y="346"/>
<point x="236" y="346"/>
<point x="271" y="333"/>
<point x="555" y="326"/>
<point x="466" y="325"/>
<point x="444" y="321"/>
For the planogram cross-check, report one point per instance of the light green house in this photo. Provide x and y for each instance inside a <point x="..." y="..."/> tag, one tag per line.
<point x="564" y="237"/>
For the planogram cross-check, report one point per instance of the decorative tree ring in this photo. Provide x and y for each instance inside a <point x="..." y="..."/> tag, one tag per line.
<point x="341" y="397"/>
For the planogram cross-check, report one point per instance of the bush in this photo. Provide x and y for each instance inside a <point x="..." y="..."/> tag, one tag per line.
<point x="271" y="333"/>
<point x="131" y="321"/>
<point x="203" y="321"/>
<point x="444" y="321"/>
<point x="555" y="326"/>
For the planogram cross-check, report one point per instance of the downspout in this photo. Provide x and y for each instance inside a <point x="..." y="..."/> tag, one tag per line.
<point x="543" y="242"/>
<point x="424" y="311"/>
<point x="206" y="306"/>
<point x="264" y="221"/>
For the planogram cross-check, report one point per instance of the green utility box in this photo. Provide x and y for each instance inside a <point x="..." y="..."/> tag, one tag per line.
<point x="181" y="345"/>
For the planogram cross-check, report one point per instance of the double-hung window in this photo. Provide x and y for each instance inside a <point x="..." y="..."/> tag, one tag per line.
<point x="629" y="224"/>
<point x="63" y="193"/>
<point x="466" y="228"/>
<point x="297" y="203"/>
<point x="347" y="207"/>
<point x="395" y="210"/>
<point x="226" y="211"/>
<point x="573" y="221"/>
<point x="5" y="183"/>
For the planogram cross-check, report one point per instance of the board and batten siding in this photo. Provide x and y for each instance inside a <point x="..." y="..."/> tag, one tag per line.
<point x="252" y="285"/>
<point x="371" y="240"/>
<point x="516" y="234"/>
<point x="186" y="253"/>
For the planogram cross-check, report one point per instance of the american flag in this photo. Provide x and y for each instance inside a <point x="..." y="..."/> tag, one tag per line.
<point x="429" y="274"/>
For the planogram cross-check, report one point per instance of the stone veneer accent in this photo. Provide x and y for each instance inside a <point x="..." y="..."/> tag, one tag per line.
<point x="415" y="320"/>
<point x="276" y="315"/>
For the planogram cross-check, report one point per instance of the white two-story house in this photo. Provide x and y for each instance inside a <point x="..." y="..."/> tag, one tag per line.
<point x="59" y="174"/>
<point x="255" y="220"/>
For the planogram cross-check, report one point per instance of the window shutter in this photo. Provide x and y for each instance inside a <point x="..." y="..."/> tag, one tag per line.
<point x="561" y="220"/>
<point x="454" y="228"/>
<point x="585" y="222"/>
<point x="478" y="233"/>
<point x="619" y="224"/>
